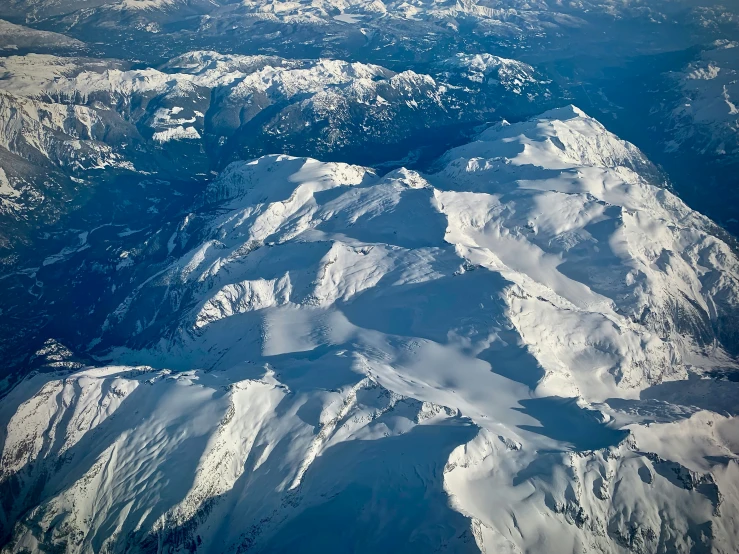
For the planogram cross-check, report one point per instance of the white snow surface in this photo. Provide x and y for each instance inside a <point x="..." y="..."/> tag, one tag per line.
<point x="511" y="354"/>
<point x="43" y="76"/>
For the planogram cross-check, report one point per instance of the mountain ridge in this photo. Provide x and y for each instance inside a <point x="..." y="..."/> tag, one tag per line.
<point x="473" y="338"/>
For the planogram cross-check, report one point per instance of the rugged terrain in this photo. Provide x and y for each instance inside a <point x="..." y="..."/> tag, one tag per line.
<point x="68" y="123"/>
<point x="356" y="276"/>
<point x="529" y="345"/>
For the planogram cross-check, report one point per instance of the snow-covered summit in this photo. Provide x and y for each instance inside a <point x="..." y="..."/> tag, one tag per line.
<point x="516" y="342"/>
<point x="557" y="205"/>
<point x="558" y="139"/>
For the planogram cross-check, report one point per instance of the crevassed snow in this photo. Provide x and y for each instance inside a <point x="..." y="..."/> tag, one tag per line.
<point x="511" y="353"/>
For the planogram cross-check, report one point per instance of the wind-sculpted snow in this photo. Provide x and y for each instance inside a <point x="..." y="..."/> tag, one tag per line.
<point x="509" y="354"/>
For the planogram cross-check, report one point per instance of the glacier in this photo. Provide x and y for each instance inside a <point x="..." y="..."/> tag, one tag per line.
<point x="527" y="348"/>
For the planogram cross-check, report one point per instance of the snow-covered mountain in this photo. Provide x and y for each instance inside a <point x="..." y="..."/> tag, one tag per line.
<point x="530" y="348"/>
<point x="68" y="118"/>
<point x="706" y="115"/>
<point x="513" y="75"/>
<point x="210" y="93"/>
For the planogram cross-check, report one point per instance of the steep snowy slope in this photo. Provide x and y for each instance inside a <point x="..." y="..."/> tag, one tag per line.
<point x="524" y="351"/>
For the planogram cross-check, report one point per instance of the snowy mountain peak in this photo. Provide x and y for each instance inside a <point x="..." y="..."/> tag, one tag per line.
<point x="557" y="207"/>
<point x="567" y="112"/>
<point x="567" y="137"/>
<point x="521" y="335"/>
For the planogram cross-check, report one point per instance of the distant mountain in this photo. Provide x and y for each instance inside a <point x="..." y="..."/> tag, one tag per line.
<point x="706" y="115"/>
<point x="69" y="119"/>
<point x="527" y="346"/>
<point x="368" y="30"/>
<point x="19" y="39"/>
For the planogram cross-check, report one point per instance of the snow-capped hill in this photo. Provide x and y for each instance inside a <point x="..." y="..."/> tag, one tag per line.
<point x="558" y="139"/>
<point x="245" y="180"/>
<point x="513" y="75"/>
<point x="210" y="66"/>
<point x="555" y="206"/>
<point x="145" y="5"/>
<point x="592" y="251"/>
<point x="324" y="72"/>
<point x="513" y="342"/>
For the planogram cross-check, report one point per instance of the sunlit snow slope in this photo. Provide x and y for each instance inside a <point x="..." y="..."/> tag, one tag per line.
<point x="524" y="351"/>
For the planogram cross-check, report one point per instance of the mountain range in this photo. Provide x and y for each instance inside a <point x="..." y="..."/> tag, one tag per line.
<point x="529" y="347"/>
<point x="369" y="276"/>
